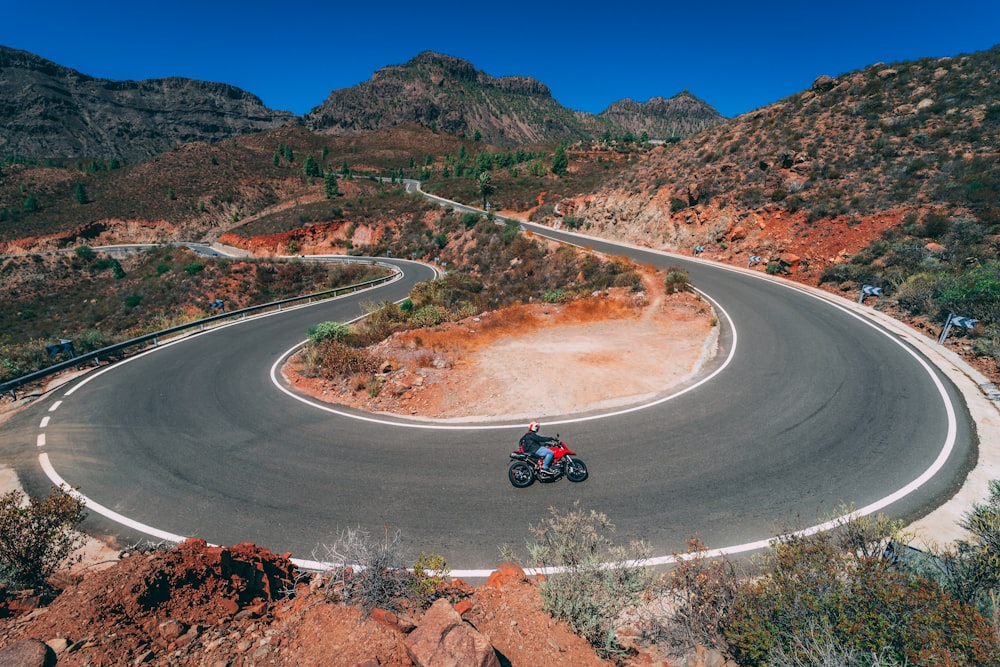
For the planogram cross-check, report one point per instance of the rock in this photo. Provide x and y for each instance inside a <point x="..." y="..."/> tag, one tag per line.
<point x="824" y="83"/>
<point x="27" y="653"/>
<point x="443" y="639"/>
<point x="172" y="629"/>
<point x="463" y="607"/>
<point x="58" y="645"/>
<point x="925" y="103"/>
<point x="737" y="234"/>
<point x="506" y="572"/>
<point x="705" y="657"/>
<point x="789" y="262"/>
<point x="887" y="73"/>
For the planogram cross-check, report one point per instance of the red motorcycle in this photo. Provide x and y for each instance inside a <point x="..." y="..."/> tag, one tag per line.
<point x="526" y="468"/>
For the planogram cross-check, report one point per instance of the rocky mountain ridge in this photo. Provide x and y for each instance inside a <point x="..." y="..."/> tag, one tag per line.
<point x="51" y="111"/>
<point x="47" y="110"/>
<point x="450" y="94"/>
<point x="847" y="158"/>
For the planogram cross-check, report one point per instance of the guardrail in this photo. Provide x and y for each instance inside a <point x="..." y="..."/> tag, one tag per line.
<point x="95" y="355"/>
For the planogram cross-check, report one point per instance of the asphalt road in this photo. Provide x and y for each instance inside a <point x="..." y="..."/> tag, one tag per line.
<point x="810" y="408"/>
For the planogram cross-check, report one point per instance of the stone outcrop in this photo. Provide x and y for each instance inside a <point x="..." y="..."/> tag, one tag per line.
<point x="443" y="639"/>
<point x="47" y="110"/>
<point x="27" y="653"/>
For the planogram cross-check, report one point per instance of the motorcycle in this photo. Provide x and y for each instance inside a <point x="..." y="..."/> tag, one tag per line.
<point x="526" y="468"/>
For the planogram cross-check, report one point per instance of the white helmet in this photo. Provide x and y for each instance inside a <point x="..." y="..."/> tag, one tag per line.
<point x="533" y="427"/>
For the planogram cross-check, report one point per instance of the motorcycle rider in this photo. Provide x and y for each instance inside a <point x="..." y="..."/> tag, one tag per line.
<point x="532" y="443"/>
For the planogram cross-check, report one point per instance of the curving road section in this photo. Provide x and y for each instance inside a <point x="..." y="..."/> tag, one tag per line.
<point x="808" y="407"/>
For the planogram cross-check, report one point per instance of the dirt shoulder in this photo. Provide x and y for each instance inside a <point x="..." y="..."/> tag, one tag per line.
<point x="535" y="361"/>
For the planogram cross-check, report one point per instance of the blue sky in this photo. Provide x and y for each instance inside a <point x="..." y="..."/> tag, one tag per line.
<point x="737" y="56"/>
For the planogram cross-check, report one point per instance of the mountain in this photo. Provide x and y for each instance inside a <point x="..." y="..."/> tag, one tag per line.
<point x="679" y="116"/>
<point x="47" y="110"/>
<point x="822" y="172"/>
<point x="451" y="95"/>
<point x="50" y="111"/>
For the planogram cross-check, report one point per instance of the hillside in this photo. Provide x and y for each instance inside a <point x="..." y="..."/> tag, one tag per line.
<point x="449" y="94"/>
<point x="904" y="137"/>
<point x="47" y="110"/>
<point x="679" y="116"/>
<point x="888" y="176"/>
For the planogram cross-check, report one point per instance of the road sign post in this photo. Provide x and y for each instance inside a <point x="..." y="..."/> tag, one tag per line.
<point x="869" y="290"/>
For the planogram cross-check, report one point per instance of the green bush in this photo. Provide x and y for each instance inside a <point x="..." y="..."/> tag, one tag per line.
<point x="37" y="536"/>
<point x="427" y="316"/>
<point x="676" y="280"/>
<point x="430" y="572"/>
<point x="595" y="580"/>
<point x="85" y="252"/>
<point x="336" y="331"/>
<point x="815" y="584"/>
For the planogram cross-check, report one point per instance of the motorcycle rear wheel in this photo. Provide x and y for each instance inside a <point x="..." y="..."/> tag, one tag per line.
<point x="520" y="474"/>
<point x="576" y="471"/>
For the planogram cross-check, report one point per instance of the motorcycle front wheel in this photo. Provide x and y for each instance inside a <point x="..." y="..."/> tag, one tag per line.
<point x="576" y="471"/>
<point x="520" y="474"/>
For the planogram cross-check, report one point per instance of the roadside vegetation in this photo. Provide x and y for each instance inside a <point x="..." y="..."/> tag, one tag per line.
<point x="95" y="300"/>
<point x="489" y="267"/>
<point x="852" y="596"/>
<point x="37" y="537"/>
<point x="932" y="266"/>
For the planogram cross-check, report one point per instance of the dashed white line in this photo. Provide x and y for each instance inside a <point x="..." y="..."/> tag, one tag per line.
<point x="41" y="440"/>
<point x="45" y="422"/>
<point x="55" y="406"/>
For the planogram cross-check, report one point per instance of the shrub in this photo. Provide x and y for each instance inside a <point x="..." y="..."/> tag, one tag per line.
<point x="427" y="316"/>
<point x="594" y="581"/>
<point x="365" y="571"/>
<point x="430" y="572"/>
<point x="336" y="331"/>
<point x="37" y="536"/>
<point x="972" y="568"/>
<point x="815" y="583"/>
<point x="333" y="359"/>
<point x="699" y="597"/>
<point x="676" y="280"/>
<point x="85" y="252"/>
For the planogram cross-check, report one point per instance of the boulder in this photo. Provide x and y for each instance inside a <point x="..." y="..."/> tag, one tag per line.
<point x="27" y="653"/>
<point x="824" y="83"/>
<point x="443" y="639"/>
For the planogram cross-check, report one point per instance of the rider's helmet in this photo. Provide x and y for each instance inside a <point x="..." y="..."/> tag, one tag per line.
<point x="533" y="427"/>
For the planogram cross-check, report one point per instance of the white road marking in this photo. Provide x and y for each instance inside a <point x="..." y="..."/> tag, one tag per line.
<point x="935" y="467"/>
<point x="275" y="371"/>
<point x="55" y="406"/>
<point x="41" y="440"/>
<point x="43" y="459"/>
<point x="45" y="422"/>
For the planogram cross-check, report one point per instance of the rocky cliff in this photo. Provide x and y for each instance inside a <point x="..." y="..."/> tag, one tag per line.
<point x="451" y="95"/>
<point x="663" y="118"/>
<point x="47" y="110"/>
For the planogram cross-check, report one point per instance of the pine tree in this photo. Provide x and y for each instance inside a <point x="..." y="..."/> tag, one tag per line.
<point x="560" y="163"/>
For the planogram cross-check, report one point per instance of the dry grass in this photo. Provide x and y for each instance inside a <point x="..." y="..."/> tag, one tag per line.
<point x="478" y="332"/>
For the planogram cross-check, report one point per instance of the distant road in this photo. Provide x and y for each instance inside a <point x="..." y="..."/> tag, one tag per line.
<point x="812" y="408"/>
